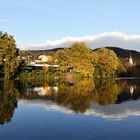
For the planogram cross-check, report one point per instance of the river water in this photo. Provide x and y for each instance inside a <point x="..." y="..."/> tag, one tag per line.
<point x="70" y="109"/>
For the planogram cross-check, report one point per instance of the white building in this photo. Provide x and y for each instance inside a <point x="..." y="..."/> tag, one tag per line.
<point x="131" y="60"/>
<point x="43" y="58"/>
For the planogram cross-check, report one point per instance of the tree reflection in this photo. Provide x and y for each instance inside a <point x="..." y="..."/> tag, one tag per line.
<point x="82" y="94"/>
<point x="8" y="101"/>
<point x="77" y="95"/>
<point x="108" y="91"/>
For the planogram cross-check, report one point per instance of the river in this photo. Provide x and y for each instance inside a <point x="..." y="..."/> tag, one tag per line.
<point x="70" y="109"/>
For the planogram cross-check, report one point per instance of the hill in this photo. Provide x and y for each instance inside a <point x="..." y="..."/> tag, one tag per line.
<point x="35" y="53"/>
<point x="125" y="53"/>
<point x="121" y="53"/>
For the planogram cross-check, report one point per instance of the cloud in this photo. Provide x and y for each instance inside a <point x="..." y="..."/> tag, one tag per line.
<point x="117" y="39"/>
<point x="110" y="112"/>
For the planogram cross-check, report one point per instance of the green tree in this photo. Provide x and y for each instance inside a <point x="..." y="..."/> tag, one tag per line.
<point x="8" y="55"/>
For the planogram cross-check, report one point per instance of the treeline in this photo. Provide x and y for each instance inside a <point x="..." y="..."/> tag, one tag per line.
<point x="120" y="52"/>
<point x="80" y="59"/>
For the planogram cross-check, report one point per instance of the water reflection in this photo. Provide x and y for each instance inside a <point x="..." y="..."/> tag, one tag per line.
<point x="8" y="101"/>
<point x="111" y="99"/>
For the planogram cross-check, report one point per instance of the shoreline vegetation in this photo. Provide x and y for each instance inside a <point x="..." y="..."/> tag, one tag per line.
<point x="77" y="61"/>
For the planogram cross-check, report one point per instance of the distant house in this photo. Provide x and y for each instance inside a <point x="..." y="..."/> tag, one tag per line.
<point x="44" y="58"/>
<point x="43" y="62"/>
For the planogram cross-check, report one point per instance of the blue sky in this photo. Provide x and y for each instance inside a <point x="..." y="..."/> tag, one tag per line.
<point x="36" y="21"/>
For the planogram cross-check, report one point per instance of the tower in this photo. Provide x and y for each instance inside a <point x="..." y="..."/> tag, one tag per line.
<point x="131" y="60"/>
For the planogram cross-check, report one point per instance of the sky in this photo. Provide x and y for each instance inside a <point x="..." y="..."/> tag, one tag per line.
<point x="46" y="24"/>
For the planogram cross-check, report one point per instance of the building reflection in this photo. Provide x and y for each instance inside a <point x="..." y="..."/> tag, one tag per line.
<point x="45" y="91"/>
<point x="132" y="89"/>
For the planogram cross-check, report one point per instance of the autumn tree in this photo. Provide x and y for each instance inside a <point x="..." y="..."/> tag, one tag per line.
<point x="108" y="63"/>
<point x="79" y="58"/>
<point x="8" y="55"/>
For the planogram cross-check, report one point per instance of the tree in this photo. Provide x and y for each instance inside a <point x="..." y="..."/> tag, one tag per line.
<point x="79" y="58"/>
<point x="108" y="63"/>
<point x="8" y="55"/>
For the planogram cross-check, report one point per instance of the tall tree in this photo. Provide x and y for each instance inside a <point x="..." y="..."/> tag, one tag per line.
<point x="8" y="55"/>
<point x="108" y="63"/>
<point x="79" y="58"/>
